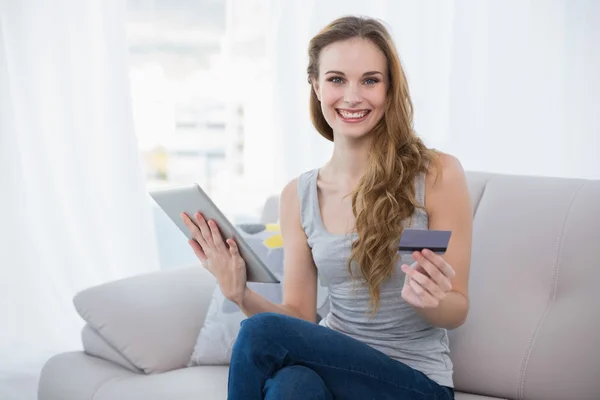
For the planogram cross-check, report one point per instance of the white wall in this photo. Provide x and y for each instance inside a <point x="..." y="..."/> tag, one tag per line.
<point x="506" y="86"/>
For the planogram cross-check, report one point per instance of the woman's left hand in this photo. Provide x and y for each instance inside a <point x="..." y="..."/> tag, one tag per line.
<point x="427" y="281"/>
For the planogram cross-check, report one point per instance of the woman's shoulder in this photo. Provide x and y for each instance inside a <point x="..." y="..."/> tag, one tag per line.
<point x="295" y="189"/>
<point x="446" y="164"/>
<point x="445" y="180"/>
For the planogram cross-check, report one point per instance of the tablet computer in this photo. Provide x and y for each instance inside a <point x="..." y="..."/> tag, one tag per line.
<point x="191" y="199"/>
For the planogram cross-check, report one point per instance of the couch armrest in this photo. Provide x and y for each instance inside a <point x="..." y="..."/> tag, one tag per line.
<point x="153" y="320"/>
<point x="95" y="345"/>
<point x="77" y="376"/>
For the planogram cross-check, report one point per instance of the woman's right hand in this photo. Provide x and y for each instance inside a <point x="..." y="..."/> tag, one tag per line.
<point x="220" y="258"/>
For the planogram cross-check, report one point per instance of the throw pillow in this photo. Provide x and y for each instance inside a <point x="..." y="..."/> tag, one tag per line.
<point x="222" y="323"/>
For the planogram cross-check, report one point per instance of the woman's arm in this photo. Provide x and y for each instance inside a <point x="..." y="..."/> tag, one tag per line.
<point x="448" y="205"/>
<point x="300" y="272"/>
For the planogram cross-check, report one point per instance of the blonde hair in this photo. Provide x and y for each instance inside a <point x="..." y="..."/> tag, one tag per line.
<point x="385" y="196"/>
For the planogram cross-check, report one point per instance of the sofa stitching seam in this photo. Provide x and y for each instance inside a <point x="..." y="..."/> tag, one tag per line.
<point x="485" y="185"/>
<point x="101" y="385"/>
<point x="554" y="288"/>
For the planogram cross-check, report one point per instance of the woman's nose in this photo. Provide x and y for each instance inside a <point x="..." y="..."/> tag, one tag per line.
<point x="352" y="95"/>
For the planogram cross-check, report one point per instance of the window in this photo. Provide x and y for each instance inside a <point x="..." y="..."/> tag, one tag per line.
<point x="195" y="66"/>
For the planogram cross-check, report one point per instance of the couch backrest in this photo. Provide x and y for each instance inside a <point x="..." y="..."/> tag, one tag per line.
<point x="534" y="320"/>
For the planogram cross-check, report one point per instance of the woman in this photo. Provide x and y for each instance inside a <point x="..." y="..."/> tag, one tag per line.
<point x="386" y="334"/>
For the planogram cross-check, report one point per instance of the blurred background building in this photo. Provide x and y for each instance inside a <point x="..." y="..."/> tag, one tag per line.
<point x="200" y="86"/>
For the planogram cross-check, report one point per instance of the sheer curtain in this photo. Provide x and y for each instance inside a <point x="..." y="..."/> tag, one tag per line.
<point x="506" y="86"/>
<point x="74" y="211"/>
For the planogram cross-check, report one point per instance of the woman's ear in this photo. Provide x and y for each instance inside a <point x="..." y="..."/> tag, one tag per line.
<point x="315" y="85"/>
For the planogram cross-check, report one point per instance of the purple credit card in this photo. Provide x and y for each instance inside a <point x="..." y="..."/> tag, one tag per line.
<point x="419" y="239"/>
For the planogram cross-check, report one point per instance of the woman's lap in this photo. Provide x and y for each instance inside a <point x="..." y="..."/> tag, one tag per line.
<point x="349" y="368"/>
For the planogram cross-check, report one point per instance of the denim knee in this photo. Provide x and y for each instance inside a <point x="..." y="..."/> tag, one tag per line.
<point x="257" y="330"/>
<point x="296" y="382"/>
<point x="261" y="324"/>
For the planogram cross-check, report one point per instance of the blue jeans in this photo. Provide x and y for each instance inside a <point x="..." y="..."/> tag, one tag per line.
<point x="283" y="358"/>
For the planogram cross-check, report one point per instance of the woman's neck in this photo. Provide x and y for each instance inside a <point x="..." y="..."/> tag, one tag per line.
<point x="349" y="160"/>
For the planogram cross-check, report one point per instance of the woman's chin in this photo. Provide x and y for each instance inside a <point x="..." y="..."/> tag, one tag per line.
<point x="353" y="134"/>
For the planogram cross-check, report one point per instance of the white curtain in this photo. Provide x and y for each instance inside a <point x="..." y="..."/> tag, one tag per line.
<point x="508" y="86"/>
<point x="74" y="210"/>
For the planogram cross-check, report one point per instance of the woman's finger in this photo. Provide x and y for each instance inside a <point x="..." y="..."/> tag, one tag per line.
<point x="426" y="299"/>
<point x="194" y="230"/>
<point x="233" y="249"/>
<point x="198" y="250"/>
<point x="216" y="235"/>
<point x="439" y="261"/>
<point x="235" y="253"/>
<point x="205" y="230"/>
<point x="426" y="283"/>
<point x="434" y="270"/>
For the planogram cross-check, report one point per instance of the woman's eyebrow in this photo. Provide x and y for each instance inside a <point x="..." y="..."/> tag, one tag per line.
<point x="370" y="73"/>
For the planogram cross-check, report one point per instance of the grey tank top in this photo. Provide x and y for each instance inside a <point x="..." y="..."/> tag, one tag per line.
<point x="397" y="329"/>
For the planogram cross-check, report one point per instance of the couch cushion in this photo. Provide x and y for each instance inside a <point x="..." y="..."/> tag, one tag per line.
<point x="197" y="383"/>
<point x="533" y="324"/>
<point x="153" y="319"/>
<point x="468" y="396"/>
<point x="77" y="376"/>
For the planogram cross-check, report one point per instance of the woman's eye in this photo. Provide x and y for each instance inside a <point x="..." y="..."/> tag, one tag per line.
<point x="337" y="80"/>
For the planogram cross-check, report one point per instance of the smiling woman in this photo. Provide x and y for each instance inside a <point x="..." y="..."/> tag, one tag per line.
<point x="386" y="331"/>
<point x="352" y="101"/>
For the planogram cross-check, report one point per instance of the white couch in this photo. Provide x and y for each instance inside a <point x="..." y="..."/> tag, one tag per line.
<point x="532" y="331"/>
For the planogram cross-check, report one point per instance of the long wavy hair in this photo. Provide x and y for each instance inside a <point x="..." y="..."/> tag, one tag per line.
<point x="385" y="195"/>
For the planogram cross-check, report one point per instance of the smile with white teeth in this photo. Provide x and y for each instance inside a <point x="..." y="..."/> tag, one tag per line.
<point x="353" y="115"/>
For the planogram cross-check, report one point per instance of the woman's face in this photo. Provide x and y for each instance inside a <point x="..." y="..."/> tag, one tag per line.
<point x="352" y="86"/>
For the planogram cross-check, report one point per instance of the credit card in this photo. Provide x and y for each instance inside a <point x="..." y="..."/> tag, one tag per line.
<point x="419" y="239"/>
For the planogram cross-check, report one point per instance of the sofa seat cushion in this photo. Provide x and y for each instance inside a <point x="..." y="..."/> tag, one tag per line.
<point x="78" y="376"/>
<point x="196" y="383"/>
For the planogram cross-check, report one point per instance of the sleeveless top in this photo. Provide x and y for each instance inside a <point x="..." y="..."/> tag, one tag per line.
<point x="397" y="329"/>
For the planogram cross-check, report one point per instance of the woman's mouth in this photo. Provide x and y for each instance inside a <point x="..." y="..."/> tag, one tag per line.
<point x="352" y="116"/>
